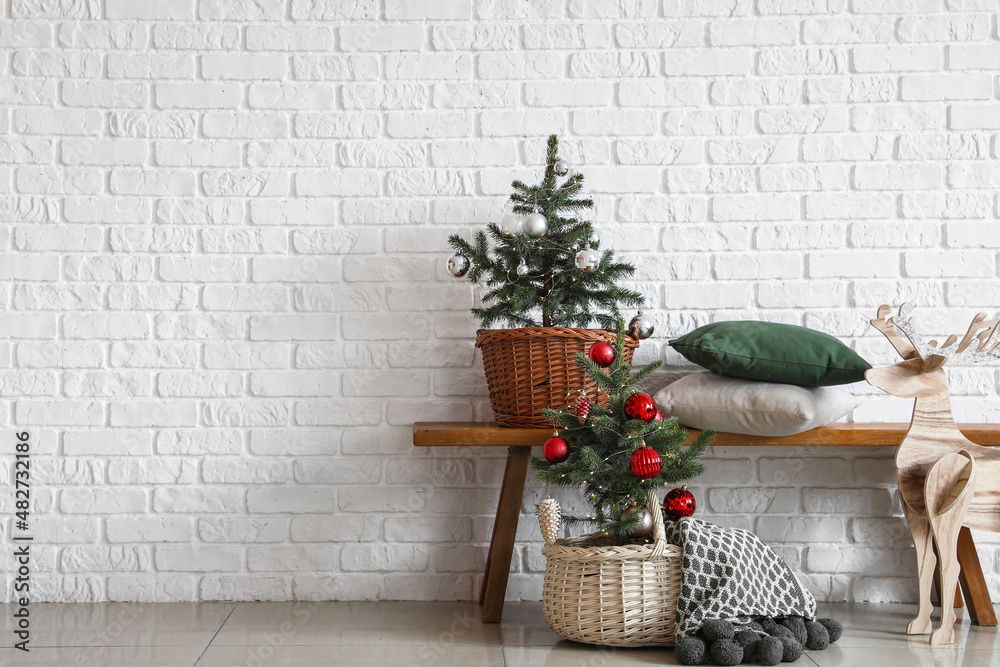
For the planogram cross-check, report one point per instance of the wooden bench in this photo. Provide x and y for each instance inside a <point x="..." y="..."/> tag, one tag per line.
<point x="519" y="442"/>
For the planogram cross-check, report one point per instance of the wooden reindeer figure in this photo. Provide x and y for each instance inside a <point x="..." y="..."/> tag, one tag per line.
<point x="945" y="480"/>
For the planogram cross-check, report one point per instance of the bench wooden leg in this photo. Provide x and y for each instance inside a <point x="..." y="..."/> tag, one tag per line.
<point x="977" y="595"/>
<point x="504" y="530"/>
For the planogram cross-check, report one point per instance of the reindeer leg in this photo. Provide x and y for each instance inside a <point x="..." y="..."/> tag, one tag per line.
<point x="948" y="492"/>
<point x="920" y="530"/>
<point x="945" y="532"/>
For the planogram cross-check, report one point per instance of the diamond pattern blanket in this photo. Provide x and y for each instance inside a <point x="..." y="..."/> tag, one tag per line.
<point x="729" y="574"/>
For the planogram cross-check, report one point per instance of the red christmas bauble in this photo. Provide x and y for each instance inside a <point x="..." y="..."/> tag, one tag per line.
<point x="581" y="407"/>
<point x="645" y="463"/>
<point x="641" y="406"/>
<point x="678" y="503"/>
<point x="555" y="449"/>
<point x="602" y="354"/>
<point x="659" y="416"/>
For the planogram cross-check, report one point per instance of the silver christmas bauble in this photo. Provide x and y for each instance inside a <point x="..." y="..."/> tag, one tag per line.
<point x="645" y="526"/>
<point x="597" y="238"/>
<point x="641" y="326"/>
<point x="535" y="225"/>
<point x="458" y="265"/>
<point x="588" y="259"/>
<point x="522" y="269"/>
<point x="511" y="223"/>
<point x="561" y="167"/>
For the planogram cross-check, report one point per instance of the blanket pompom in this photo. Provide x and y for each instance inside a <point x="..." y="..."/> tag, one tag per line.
<point x="715" y="630"/>
<point x="818" y="638"/>
<point x="770" y="650"/>
<point x="834" y="628"/>
<point x="769" y="626"/>
<point x="781" y="632"/>
<point x="690" y="651"/>
<point x="727" y="652"/>
<point x="791" y="651"/>
<point x="798" y="627"/>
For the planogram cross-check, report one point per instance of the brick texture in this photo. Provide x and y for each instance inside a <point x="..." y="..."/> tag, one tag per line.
<point x="222" y="245"/>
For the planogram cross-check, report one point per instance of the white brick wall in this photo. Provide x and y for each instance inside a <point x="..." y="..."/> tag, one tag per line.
<point x="222" y="241"/>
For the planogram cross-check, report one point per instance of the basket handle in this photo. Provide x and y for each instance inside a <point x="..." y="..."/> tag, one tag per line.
<point x="659" y="533"/>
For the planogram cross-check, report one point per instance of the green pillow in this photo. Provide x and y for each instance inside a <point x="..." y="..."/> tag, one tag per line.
<point x="772" y="352"/>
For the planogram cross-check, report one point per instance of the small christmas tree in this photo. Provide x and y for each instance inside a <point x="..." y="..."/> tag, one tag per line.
<point x="545" y="264"/>
<point x="603" y="445"/>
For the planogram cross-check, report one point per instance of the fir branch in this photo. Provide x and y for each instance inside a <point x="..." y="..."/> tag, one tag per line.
<point x="698" y="447"/>
<point x="646" y="372"/>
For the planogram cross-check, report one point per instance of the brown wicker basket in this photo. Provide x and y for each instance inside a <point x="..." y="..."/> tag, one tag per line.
<point x="599" y="593"/>
<point x="533" y="368"/>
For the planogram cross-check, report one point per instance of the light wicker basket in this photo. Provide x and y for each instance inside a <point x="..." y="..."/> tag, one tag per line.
<point x="533" y="368"/>
<point x="598" y="593"/>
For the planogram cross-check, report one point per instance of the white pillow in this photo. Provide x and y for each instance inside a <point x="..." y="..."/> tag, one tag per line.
<point x="735" y="405"/>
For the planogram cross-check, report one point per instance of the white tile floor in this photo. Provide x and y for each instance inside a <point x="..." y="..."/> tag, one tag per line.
<point x="407" y="634"/>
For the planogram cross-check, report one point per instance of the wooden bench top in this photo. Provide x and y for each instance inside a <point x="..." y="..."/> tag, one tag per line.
<point x="473" y="434"/>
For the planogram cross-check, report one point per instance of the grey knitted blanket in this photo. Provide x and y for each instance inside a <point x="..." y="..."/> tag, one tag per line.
<point x="729" y="574"/>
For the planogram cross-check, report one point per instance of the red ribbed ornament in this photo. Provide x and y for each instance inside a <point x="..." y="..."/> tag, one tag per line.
<point x="645" y="463"/>
<point x="677" y="504"/>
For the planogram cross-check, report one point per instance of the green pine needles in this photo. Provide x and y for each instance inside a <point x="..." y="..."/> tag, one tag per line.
<point x="553" y="286"/>
<point x="601" y="448"/>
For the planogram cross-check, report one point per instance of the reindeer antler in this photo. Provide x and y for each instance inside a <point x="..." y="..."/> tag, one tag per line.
<point x="980" y="330"/>
<point x="886" y="325"/>
<point x="976" y="345"/>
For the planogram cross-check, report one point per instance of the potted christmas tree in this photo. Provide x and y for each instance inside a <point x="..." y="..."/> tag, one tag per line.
<point x="620" y="585"/>
<point x="544" y="273"/>
<point x="620" y="453"/>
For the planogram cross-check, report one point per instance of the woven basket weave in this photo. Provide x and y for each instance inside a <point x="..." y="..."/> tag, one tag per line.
<point x="533" y="368"/>
<point x="599" y="593"/>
